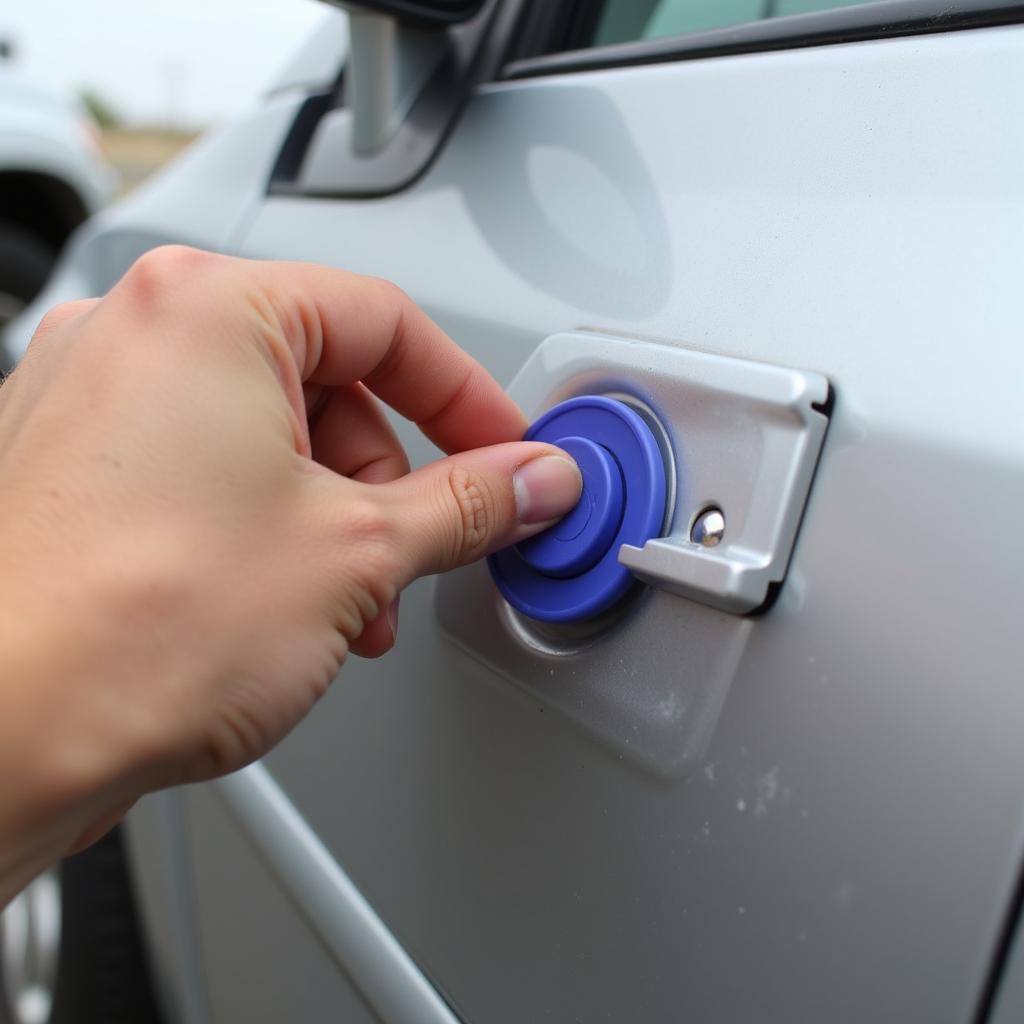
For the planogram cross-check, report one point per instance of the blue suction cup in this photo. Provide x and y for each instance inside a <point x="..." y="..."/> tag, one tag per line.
<point x="571" y="572"/>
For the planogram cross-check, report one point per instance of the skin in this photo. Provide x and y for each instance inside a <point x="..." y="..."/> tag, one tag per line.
<point x="204" y="511"/>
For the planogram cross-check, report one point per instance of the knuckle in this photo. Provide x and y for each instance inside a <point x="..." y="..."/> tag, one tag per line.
<point x="476" y="512"/>
<point x="394" y="302"/>
<point x="155" y="272"/>
<point x="391" y="291"/>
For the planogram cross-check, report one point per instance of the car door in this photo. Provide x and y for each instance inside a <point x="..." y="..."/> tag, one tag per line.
<point x="808" y="810"/>
<point x="839" y="835"/>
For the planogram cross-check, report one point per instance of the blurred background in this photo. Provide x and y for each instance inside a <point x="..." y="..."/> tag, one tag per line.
<point x="152" y="75"/>
<point x="96" y="96"/>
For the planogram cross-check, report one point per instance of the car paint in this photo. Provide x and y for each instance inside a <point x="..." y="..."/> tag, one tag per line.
<point x="848" y="846"/>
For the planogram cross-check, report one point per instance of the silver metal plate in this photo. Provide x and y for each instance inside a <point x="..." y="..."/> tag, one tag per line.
<point x="744" y="437"/>
<point x="740" y="436"/>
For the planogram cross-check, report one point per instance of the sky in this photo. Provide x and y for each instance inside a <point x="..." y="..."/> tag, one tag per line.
<point x="184" y="63"/>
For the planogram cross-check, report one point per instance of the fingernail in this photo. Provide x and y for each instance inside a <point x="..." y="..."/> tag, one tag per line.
<point x="546" y="488"/>
<point x="392" y="614"/>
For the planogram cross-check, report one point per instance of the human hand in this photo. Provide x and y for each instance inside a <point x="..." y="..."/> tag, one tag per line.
<point x="204" y="510"/>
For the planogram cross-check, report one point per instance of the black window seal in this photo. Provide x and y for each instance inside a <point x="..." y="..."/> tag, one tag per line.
<point x="552" y="26"/>
<point x="882" y="20"/>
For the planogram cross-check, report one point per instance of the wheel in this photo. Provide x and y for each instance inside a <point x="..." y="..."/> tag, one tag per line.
<point x="25" y="264"/>
<point x="71" y="948"/>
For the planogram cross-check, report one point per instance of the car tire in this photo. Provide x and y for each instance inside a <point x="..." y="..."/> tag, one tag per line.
<point x="25" y="263"/>
<point x="100" y="974"/>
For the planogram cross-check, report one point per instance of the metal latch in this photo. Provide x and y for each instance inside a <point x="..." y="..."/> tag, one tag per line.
<point x="741" y="441"/>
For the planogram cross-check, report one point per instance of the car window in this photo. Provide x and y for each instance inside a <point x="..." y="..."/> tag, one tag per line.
<point x="622" y="21"/>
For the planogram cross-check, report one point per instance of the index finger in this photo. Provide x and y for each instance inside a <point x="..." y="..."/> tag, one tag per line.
<point x="343" y="328"/>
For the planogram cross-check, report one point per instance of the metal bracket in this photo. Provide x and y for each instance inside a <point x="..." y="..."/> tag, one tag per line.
<point x="742" y="437"/>
<point x="402" y="87"/>
<point x="389" y="66"/>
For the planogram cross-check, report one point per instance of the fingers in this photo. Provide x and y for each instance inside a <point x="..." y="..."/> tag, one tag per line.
<point x="332" y="338"/>
<point x="378" y="635"/>
<point x="437" y="518"/>
<point x="343" y="328"/>
<point x="351" y="436"/>
<point x="460" y="508"/>
<point x="338" y="329"/>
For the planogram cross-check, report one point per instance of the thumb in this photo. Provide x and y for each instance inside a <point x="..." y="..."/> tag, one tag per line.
<point x="463" y="507"/>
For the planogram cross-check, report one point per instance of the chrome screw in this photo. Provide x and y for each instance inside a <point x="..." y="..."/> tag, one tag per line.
<point x="708" y="528"/>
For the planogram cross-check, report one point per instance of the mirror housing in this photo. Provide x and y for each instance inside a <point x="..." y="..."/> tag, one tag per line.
<point x="411" y="65"/>
<point x="424" y="14"/>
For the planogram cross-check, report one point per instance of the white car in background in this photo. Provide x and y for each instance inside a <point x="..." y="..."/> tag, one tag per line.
<point x="52" y="177"/>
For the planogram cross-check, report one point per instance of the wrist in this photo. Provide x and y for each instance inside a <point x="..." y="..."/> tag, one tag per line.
<point x="67" y="755"/>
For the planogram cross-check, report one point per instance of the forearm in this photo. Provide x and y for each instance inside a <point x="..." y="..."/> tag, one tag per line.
<point x="65" y="764"/>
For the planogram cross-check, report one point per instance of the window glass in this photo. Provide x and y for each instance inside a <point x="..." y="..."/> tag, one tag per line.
<point x="628" y="20"/>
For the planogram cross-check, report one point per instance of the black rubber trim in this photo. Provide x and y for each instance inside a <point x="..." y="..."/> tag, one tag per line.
<point x="1013" y="919"/>
<point x="293" y="149"/>
<point x="545" y="28"/>
<point x="889" y="18"/>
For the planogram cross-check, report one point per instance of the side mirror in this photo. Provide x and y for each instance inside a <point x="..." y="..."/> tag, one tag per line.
<point x="390" y="62"/>
<point x="410" y="65"/>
